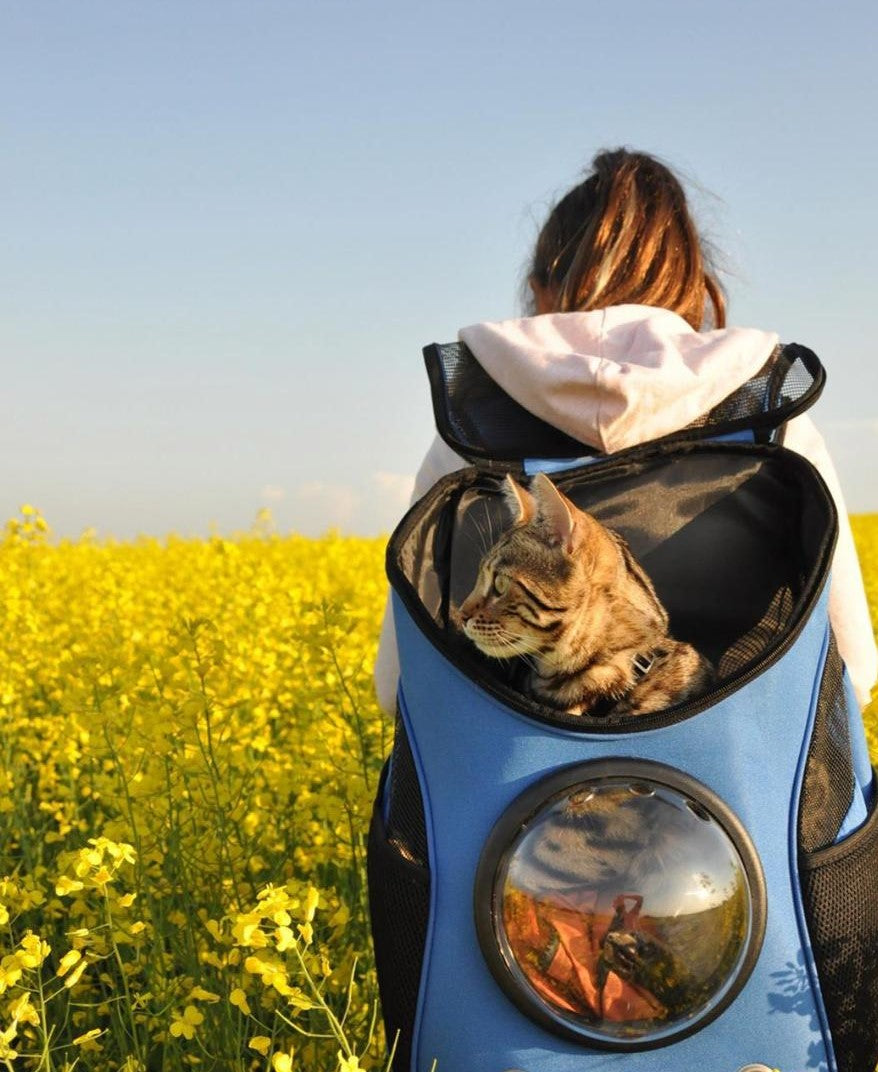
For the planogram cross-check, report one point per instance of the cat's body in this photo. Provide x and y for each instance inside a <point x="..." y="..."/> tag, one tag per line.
<point x="565" y="592"/>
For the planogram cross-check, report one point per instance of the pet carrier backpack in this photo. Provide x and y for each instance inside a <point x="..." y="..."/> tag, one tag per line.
<point x="695" y="889"/>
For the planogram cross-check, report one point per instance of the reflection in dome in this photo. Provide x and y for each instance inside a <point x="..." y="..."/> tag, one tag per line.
<point x="625" y="910"/>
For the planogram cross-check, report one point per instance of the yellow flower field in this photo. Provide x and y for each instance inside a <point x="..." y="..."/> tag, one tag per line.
<point x="190" y="748"/>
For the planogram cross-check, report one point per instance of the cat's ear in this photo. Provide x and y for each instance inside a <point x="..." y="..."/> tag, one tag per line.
<point x="520" y="502"/>
<point x="555" y="510"/>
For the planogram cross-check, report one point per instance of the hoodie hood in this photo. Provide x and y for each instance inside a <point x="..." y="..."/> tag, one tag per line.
<point x="614" y="378"/>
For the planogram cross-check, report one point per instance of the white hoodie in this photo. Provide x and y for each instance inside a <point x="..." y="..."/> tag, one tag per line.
<point x="616" y="377"/>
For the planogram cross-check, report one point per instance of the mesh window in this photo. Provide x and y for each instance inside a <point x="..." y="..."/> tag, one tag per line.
<point x="840" y="894"/>
<point x="399" y="906"/>
<point x="478" y="419"/>
<point x="475" y="413"/>
<point x="406" y="828"/>
<point x="782" y="380"/>
<point x="766" y="631"/>
<point x="828" y="788"/>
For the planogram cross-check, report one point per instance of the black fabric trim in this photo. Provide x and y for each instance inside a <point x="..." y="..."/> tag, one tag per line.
<point x="460" y="655"/>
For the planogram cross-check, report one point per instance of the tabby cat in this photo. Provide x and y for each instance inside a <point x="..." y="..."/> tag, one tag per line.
<point x="564" y="592"/>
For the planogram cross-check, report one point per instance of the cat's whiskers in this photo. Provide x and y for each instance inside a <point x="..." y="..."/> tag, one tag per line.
<point x="510" y="638"/>
<point x="480" y="539"/>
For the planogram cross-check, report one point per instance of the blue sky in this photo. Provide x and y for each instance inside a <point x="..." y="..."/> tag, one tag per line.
<point x="229" y="228"/>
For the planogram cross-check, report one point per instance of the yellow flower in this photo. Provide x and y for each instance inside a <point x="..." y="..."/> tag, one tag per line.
<point x="10" y="971"/>
<point x="299" y="1000"/>
<point x="23" y="1012"/>
<point x="312" y="900"/>
<point x="284" y="938"/>
<point x="246" y="930"/>
<point x="198" y="706"/>
<point x="214" y="928"/>
<point x="121" y="852"/>
<point x="89" y="1036"/>
<point x="6" y="1051"/>
<point x="185" y="1023"/>
<point x="33" y="951"/>
<point x="278" y="980"/>
<point x="67" y="961"/>
<point x="255" y="966"/>
<point x="239" y="999"/>
<point x="200" y="994"/>
<point x="282" y="1062"/>
<point x="66" y="885"/>
<point x="341" y="917"/>
<point x="348" y="1064"/>
<point x="74" y="977"/>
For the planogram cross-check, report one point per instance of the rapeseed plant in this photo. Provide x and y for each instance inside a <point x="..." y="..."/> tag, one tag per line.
<point x="190" y="747"/>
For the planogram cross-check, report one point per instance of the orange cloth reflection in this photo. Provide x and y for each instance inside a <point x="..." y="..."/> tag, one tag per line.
<point x="558" y="944"/>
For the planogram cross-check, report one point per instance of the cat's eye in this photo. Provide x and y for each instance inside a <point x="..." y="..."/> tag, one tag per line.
<point x="501" y="584"/>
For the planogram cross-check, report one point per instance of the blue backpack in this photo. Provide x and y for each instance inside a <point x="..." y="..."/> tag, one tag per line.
<point x="695" y="889"/>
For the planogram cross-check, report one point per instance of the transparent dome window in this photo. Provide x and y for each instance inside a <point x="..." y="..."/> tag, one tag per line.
<point x="620" y="902"/>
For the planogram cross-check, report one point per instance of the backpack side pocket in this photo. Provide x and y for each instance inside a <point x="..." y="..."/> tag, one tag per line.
<point x="399" y="896"/>
<point x="840" y="896"/>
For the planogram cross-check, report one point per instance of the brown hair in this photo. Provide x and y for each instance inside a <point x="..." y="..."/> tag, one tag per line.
<point x="625" y="234"/>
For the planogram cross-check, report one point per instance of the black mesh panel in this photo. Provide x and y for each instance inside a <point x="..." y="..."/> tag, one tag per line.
<point x="405" y="819"/>
<point x="479" y="420"/>
<point x="399" y="896"/>
<point x="475" y="413"/>
<point x="840" y="892"/>
<point x="828" y="788"/>
<point x="769" y="629"/>
<point x="782" y="380"/>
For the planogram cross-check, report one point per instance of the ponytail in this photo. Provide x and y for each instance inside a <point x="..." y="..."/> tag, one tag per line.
<point x="625" y="235"/>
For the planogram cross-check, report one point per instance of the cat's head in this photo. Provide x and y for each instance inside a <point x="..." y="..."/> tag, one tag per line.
<point x="538" y="575"/>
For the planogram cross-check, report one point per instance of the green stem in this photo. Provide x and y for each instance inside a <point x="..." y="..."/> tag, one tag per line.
<point x="123" y="975"/>
<point x="334" y="1025"/>
<point x="46" y="1060"/>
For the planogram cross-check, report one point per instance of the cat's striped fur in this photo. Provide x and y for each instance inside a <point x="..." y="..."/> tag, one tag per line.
<point x="564" y="592"/>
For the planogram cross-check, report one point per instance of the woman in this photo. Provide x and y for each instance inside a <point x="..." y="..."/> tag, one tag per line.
<point x="628" y="342"/>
